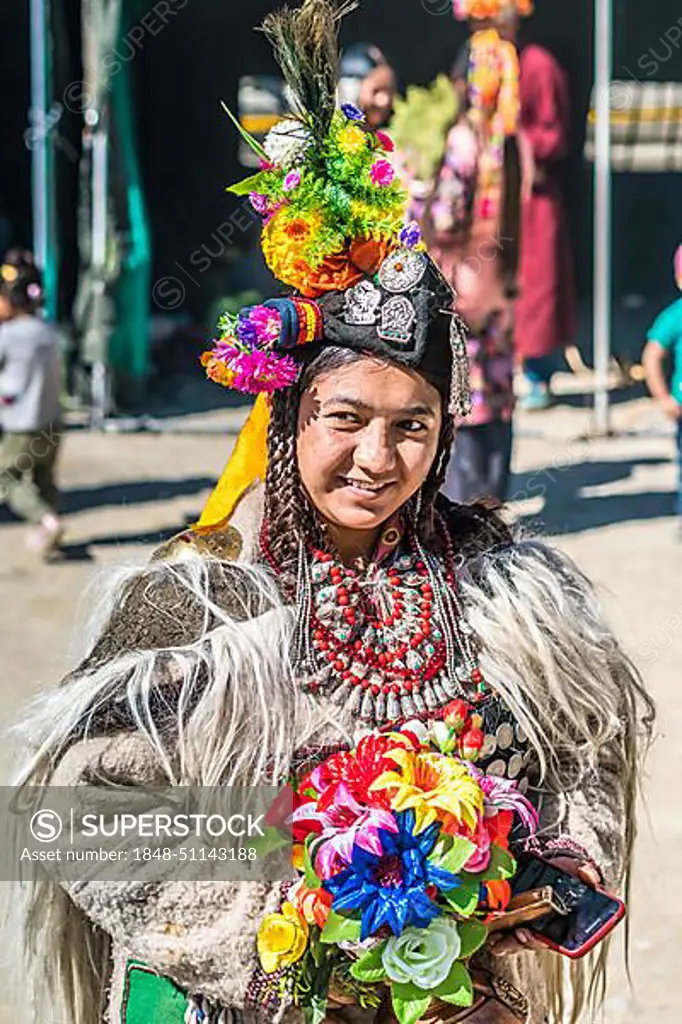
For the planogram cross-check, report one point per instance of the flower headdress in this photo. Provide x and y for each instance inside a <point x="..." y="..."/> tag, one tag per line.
<point x="334" y="229"/>
<point x="479" y="10"/>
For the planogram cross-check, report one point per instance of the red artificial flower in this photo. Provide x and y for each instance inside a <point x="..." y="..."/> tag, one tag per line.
<point x="456" y="714"/>
<point x="385" y="141"/>
<point x="499" y="827"/>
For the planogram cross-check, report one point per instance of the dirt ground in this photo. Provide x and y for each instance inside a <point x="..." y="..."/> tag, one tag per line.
<point x="609" y="503"/>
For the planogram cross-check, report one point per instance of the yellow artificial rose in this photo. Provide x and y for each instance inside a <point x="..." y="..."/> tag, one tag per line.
<point x="282" y="939"/>
<point x="352" y="140"/>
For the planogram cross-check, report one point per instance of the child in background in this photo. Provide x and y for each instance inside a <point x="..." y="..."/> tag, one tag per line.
<point x="30" y="410"/>
<point x="664" y="339"/>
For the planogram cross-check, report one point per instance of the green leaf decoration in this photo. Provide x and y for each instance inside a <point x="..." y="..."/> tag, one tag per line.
<point x="315" y="1009"/>
<point x="370" y="967"/>
<point x="253" y="183"/>
<point x="340" y="929"/>
<point x="270" y="842"/>
<point x="310" y="877"/>
<point x="457" y="854"/>
<point x="457" y="988"/>
<point x="247" y="137"/>
<point x="473" y="934"/>
<point x="501" y="867"/>
<point x="409" y="1002"/>
<point x="464" y="900"/>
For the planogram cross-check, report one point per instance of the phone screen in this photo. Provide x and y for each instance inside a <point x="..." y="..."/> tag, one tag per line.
<point x="587" y="911"/>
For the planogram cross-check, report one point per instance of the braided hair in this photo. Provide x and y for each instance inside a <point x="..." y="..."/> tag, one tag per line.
<point x="20" y="281"/>
<point x="289" y="515"/>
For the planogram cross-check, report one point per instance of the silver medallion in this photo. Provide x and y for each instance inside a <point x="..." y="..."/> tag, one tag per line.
<point x="402" y="270"/>
<point x="362" y="304"/>
<point x="398" y="318"/>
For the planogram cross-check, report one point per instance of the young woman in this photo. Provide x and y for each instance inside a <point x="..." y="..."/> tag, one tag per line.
<point x="340" y="596"/>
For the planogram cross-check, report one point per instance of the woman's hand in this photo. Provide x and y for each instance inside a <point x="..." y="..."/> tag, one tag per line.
<point x="522" y="939"/>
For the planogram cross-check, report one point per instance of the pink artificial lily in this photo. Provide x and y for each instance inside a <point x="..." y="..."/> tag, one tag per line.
<point x="503" y="795"/>
<point x="345" y="823"/>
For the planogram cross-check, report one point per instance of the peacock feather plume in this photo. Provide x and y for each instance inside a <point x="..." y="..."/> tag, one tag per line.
<point x="305" y="41"/>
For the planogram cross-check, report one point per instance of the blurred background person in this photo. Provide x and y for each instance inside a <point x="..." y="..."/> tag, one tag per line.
<point x="30" y="408"/>
<point x="664" y="342"/>
<point x="369" y="82"/>
<point x="546" y="306"/>
<point x="470" y="219"/>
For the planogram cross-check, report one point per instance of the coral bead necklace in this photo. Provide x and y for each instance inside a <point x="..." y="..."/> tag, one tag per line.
<point x="389" y="641"/>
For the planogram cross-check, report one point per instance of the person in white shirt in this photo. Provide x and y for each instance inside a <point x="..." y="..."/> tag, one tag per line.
<point x="30" y="408"/>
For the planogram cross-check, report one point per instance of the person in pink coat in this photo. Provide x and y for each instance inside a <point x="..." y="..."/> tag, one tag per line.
<point x="545" y="309"/>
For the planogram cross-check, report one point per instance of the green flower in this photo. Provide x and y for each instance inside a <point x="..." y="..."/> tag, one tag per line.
<point x="423" y="956"/>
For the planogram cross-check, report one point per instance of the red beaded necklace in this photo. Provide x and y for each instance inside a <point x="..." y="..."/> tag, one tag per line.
<point x="390" y="640"/>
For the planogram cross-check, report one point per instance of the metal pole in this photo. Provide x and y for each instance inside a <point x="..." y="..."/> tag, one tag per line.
<point x="99" y="195"/>
<point x="602" y="211"/>
<point x="41" y="153"/>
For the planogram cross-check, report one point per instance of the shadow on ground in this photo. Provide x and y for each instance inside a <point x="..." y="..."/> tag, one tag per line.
<point x="568" y="509"/>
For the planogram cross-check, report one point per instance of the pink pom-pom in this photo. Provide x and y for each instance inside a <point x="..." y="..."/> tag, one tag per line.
<point x="292" y="181"/>
<point x="678" y="266"/>
<point x="256" y="372"/>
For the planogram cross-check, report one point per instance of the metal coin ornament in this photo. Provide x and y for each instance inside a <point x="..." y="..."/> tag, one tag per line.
<point x="361" y="304"/>
<point x="402" y="270"/>
<point x="398" y="318"/>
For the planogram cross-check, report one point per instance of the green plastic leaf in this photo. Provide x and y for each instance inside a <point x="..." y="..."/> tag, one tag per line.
<point x="251" y="184"/>
<point x="501" y="867"/>
<point x="472" y="934"/>
<point x="247" y="137"/>
<point x="370" y="967"/>
<point x="340" y="929"/>
<point x="410" y="1003"/>
<point x="310" y="877"/>
<point x="457" y="988"/>
<point x="315" y="1009"/>
<point x="456" y="856"/>
<point x="464" y="899"/>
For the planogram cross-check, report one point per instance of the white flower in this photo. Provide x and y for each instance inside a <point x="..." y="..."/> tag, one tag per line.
<point x="423" y="956"/>
<point x="286" y="144"/>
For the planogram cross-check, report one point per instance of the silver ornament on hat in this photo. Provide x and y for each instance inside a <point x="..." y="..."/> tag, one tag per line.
<point x="402" y="270"/>
<point x="398" y="318"/>
<point x="362" y="304"/>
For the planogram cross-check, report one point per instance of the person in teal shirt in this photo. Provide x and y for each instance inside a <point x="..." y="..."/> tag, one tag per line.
<point x="664" y="340"/>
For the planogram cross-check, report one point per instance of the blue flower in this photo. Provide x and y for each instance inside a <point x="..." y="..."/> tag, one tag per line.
<point x="352" y="112"/>
<point x="390" y="888"/>
<point x="411" y="235"/>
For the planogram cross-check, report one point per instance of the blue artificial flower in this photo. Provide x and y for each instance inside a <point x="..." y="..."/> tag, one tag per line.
<point x="411" y="235"/>
<point x="390" y="888"/>
<point x="246" y="330"/>
<point x="352" y="112"/>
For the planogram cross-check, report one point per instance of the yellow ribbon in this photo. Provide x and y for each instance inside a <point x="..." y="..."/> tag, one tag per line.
<point x="246" y="466"/>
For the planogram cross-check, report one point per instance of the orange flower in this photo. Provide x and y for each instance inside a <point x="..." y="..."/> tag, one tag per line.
<point x="313" y="904"/>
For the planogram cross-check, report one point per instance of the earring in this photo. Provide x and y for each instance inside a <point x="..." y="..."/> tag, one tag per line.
<point x="416" y="509"/>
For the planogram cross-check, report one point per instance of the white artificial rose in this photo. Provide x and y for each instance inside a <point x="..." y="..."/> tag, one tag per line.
<point x="423" y="956"/>
<point x="286" y="143"/>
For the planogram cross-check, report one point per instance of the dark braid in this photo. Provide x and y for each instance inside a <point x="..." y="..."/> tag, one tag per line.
<point x="289" y="515"/>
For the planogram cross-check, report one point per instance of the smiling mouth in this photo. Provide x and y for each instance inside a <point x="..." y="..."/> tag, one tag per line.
<point x="365" y="486"/>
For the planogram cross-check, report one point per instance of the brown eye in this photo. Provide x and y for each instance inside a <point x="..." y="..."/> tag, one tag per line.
<point x="412" y="426"/>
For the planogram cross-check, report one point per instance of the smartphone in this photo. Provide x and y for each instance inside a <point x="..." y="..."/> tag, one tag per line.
<point x="583" y="916"/>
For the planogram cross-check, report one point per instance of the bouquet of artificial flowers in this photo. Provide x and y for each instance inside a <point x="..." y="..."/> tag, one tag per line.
<point x="403" y="849"/>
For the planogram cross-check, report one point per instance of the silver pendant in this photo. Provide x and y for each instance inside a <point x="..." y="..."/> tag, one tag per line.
<point x="362" y="304"/>
<point x="380" y="708"/>
<point x="398" y="318"/>
<point x="407" y="705"/>
<point x="393" y="707"/>
<point x="440" y="693"/>
<point x="430" y="698"/>
<point x="402" y="270"/>
<point x="367" y="708"/>
<point x="419" y="704"/>
<point x="341" y="694"/>
<point x="355" y="701"/>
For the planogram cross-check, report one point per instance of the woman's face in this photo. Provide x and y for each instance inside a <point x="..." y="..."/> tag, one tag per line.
<point x="367" y="438"/>
<point x="377" y="94"/>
